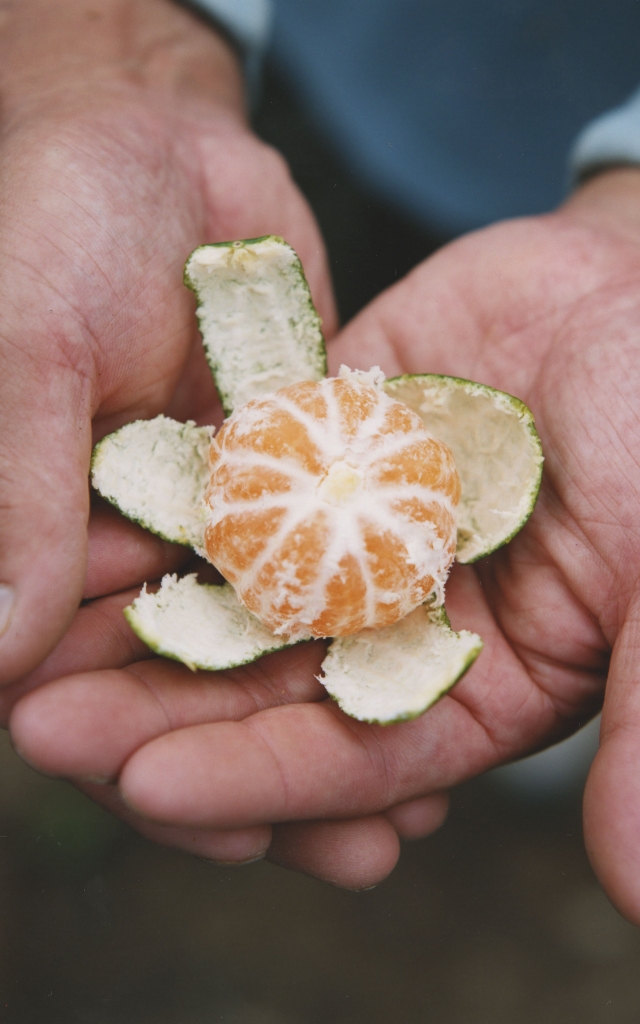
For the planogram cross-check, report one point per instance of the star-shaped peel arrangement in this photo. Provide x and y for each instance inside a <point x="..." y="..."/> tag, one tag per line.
<point x="261" y="333"/>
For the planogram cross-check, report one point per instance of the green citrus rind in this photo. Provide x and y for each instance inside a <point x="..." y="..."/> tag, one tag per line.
<point x="496" y="450"/>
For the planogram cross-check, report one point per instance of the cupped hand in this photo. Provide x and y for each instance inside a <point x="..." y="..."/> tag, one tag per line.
<point x="124" y="146"/>
<point x="548" y="309"/>
<point x="115" y="696"/>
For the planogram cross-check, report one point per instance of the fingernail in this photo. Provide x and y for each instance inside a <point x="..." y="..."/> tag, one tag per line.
<point x="6" y="604"/>
<point x="233" y="863"/>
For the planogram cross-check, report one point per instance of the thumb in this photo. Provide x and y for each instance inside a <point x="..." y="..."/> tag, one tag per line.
<point x="45" y="445"/>
<point x="612" y="795"/>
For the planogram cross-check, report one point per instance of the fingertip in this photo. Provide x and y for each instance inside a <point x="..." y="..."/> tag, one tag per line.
<point x="83" y="726"/>
<point x="32" y="622"/>
<point x="29" y="732"/>
<point x="416" y="819"/>
<point x="202" y="776"/>
<point x="149" y="787"/>
<point x="232" y="848"/>
<point x="356" y="854"/>
<point x="612" y="821"/>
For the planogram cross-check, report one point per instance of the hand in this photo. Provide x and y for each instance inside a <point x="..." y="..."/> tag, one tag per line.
<point x="546" y="308"/>
<point x="124" y="146"/>
<point x="84" y="726"/>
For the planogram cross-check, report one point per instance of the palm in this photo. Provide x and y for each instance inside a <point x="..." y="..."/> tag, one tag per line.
<point x="534" y="308"/>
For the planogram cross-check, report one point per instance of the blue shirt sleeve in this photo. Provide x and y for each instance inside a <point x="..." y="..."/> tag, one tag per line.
<point x="460" y="112"/>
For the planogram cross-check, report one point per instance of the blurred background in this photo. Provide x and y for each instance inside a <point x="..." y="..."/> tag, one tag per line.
<point x="496" y="918"/>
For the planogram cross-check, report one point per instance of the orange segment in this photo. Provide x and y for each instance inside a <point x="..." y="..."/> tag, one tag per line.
<point x="241" y="539"/>
<point x="387" y="557"/>
<point x="276" y="433"/>
<point x="399" y="419"/>
<point x="248" y="483"/>
<point x="427" y="512"/>
<point x="308" y="399"/>
<point x="345" y="597"/>
<point x="289" y="573"/>
<point x="355" y="404"/>
<point x="427" y="463"/>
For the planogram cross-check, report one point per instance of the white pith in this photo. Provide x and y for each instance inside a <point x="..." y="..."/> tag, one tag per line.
<point x="201" y="625"/>
<point x="398" y="672"/>
<point x="341" y="484"/>
<point x="259" y="286"/>
<point x="368" y="501"/>
<point x="495" y="448"/>
<point x="155" y="472"/>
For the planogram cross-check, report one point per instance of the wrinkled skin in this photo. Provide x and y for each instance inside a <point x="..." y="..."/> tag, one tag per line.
<point x="109" y="175"/>
<point x="255" y="761"/>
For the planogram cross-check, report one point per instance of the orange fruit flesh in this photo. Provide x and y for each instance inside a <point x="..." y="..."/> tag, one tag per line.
<point x="330" y="508"/>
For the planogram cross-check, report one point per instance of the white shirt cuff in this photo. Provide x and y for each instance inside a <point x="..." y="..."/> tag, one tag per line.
<point x="609" y="140"/>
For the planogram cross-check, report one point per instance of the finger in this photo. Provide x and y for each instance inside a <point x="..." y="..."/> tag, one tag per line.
<point x="612" y="795"/>
<point x="311" y="761"/>
<point x="355" y="854"/>
<point x="359" y="853"/>
<point x="239" y="846"/>
<point x="302" y="761"/>
<point x="271" y="204"/>
<point x="122" y="554"/>
<point x="87" y="725"/>
<point x="99" y="637"/>
<point x="416" y="819"/>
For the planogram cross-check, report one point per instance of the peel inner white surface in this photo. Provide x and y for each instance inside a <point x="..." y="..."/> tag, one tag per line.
<point x="155" y="472"/>
<point x="201" y="625"/>
<point x="259" y="327"/>
<point x="496" y="450"/>
<point x="392" y="674"/>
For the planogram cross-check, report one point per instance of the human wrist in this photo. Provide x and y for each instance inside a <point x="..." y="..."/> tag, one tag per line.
<point x="77" y="49"/>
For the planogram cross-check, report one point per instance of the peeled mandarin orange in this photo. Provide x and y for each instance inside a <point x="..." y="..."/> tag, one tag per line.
<point x="331" y="508"/>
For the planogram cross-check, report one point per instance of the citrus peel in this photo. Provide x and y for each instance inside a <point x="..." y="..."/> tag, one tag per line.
<point x="496" y="454"/>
